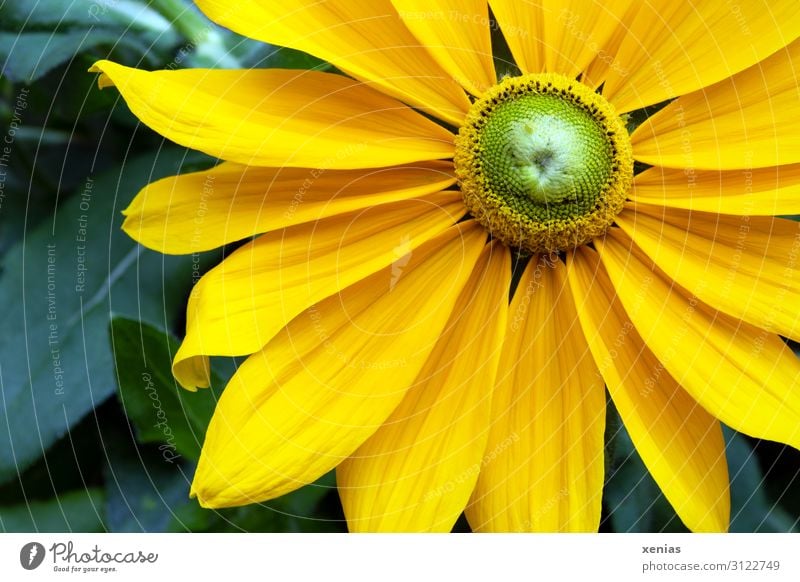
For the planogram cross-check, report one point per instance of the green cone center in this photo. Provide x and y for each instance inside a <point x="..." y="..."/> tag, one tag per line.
<point x="544" y="162"/>
<point x="547" y="155"/>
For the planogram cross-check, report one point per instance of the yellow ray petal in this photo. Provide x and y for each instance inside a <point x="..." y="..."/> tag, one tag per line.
<point x="605" y="61"/>
<point x="543" y="466"/>
<point x="674" y="48"/>
<point x="365" y="39"/>
<point x="417" y="471"/>
<point x="275" y="117"/>
<point x="238" y="306"/>
<point x="456" y="34"/>
<point x="577" y="31"/>
<point x="522" y="24"/>
<point x="204" y="210"/>
<point x="745" y="266"/>
<point x="679" y="442"/>
<point x="559" y="36"/>
<point x="759" y="192"/>
<point x="330" y="379"/>
<point x="745" y="376"/>
<point x="747" y="121"/>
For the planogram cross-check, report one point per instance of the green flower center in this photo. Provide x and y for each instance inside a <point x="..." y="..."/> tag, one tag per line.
<point x="544" y="162"/>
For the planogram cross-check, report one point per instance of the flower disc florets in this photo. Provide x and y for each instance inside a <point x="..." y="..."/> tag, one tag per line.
<point x="544" y="162"/>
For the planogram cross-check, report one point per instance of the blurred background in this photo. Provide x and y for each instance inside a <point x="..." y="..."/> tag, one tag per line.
<point x="94" y="433"/>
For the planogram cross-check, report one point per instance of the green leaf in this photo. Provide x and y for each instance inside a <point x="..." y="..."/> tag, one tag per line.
<point x="38" y="36"/>
<point x="635" y="503"/>
<point x="52" y="14"/>
<point x="63" y="280"/>
<point x="267" y="56"/>
<point x="751" y="508"/>
<point x="144" y="489"/>
<point x="298" y="511"/>
<point x="73" y="462"/>
<point x="76" y="511"/>
<point x="163" y="413"/>
<point x="160" y="410"/>
<point x="126" y="15"/>
<point x="631" y="496"/>
<point x="43" y="13"/>
<point x="31" y="55"/>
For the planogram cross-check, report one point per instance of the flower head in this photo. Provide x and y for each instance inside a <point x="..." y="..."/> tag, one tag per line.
<point x="628" y="166"/>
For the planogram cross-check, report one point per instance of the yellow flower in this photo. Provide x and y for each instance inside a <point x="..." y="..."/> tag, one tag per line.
<point x="375" y="309"/>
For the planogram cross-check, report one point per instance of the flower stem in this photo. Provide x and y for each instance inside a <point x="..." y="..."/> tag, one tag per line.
<point x="187" y="21"/>
<point x="208" y="43"/>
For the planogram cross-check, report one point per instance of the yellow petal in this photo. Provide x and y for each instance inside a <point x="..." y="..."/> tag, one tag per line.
<point x="747" y="121"/>
<point x="456" y="34"/>
<point x="673" y="48"/>
<point x="745" y="266"/>
<point x="417" y="471"/>
<point x="364" y="39"/>
<point x="680" y="443"/>
<point x="605" y="61"/>
<point x="204" y="210"/>
<point x="577" y="31"/>
<point x="275" y="117"/>
<point x="543" y="466"/>
<point x="330" y="379"/>
<point x="759" y="192"/>
<point x="745" y="376"/>
<point x="559" y="36"/>
<point x="238" y="306"/>
<point x="522" y="24"/>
